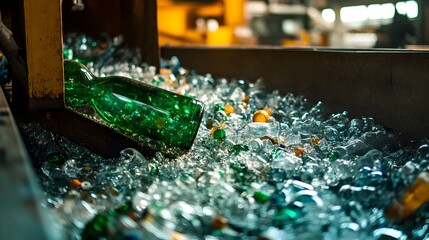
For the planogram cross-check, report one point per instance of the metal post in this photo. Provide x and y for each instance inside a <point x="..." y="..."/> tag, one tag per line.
<point x="43" y="45"/>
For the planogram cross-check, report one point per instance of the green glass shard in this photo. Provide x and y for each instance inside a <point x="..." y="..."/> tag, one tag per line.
<point x="261" y="197"/>
<point x="219" y="134"/>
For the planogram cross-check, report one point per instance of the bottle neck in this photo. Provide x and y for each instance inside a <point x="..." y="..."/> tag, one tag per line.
<point x="78" y="81"/>
<point x="77" y="73"/>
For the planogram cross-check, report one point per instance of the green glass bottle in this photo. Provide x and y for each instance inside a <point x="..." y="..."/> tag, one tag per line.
<point x="159" y="119"/>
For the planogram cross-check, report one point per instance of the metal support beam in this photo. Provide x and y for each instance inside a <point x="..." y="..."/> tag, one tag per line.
<point x="43" y="44"/>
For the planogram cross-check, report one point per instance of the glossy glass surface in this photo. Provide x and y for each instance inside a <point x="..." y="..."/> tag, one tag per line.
<point x="162" y="120"/>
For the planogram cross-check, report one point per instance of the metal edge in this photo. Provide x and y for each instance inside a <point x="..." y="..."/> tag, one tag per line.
<point x="22" y="200"/>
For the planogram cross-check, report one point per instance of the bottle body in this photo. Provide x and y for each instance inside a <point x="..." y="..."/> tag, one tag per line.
<point x="159" y="119"/>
